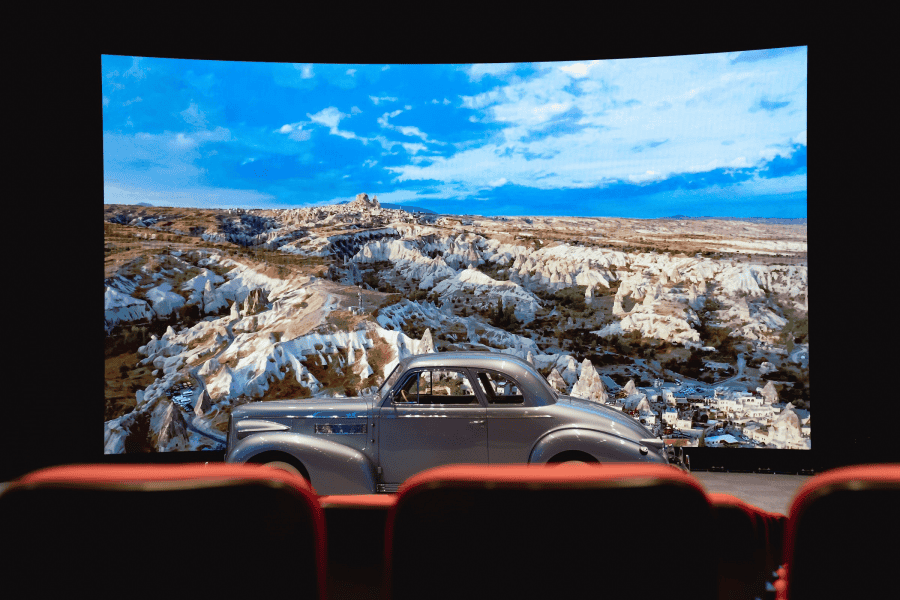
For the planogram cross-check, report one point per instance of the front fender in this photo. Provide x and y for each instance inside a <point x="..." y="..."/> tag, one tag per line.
<point x="604" y="447"/>
<point x="333" y="468"/>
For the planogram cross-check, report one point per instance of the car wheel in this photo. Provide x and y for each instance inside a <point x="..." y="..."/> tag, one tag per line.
<point x="278" y="464"/>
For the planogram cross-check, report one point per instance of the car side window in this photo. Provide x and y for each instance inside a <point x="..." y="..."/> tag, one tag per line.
<point x="500" y="389"/>
<point x="451" y="387"/>
<point x="437" y="386"/>
<point x="419" y="384"/>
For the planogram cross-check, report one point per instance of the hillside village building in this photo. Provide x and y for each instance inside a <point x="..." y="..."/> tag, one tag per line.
<point x="752" y="419"/>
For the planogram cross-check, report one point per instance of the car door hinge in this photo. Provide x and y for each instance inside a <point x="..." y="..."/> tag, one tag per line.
<point x="378" y="470"/>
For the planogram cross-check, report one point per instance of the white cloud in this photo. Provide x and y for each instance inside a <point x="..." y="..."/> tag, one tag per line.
<point x="413" y="148"/>
<point x="184" y="141"/>
<point x="497" y="182"/>
<point x="248" y="160"/>
<point x="295" y="131"/>
<point x="800" y="138"/>
<point x="351" y="72"/>
<point x="370" y="163"/>
<point x="579" y="70"/>
<point x="330" y="117"/>
<point x="105" y="101"/>
<point x="355" y="110"/>
<point x="446" y="101"/>
<point x="219" y="134"/>
<point x="483" y="99"/>
<point x="647" y="176"/>
<point x="385" y="67"/>
<point x="408" y="107"/>
<point x="434" y="101"/>
<point x="193" y="115"/>
<point x="385" y="143"/>
<point x="132" y="101"/>
<point x="376" y="100"/>
<point x="136" y="71"/>
<point x="411" y="131"/>
<point x="476" y="72"/>
<point x="306" y="70"/>
<point x="345" y="177"/>
<point x="348" y="135"/>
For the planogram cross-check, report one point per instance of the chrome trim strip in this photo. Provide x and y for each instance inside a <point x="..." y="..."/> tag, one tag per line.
<point x="340" y="428"/>
<point x="352" y="415"/>
<point x="495" y="416"/>
<point x="257" y="425"/>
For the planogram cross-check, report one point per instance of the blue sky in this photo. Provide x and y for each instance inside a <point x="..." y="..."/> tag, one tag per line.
<point x="702" y="135"/>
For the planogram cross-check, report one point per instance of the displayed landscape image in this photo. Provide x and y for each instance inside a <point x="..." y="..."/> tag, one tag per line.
<point x="635" y="228"/>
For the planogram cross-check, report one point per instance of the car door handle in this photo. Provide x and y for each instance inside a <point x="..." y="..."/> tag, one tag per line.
<point x="481" y="422"/>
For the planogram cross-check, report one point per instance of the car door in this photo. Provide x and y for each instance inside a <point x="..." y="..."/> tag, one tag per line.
<point x="514" y="425"/>
<point x="433" y="419"/>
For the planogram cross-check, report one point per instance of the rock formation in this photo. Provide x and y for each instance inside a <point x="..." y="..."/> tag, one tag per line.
<point x="204" y="403"/>
<point x="556" y="380"/>
<point x="255" y="302"/>
<point x="770" y="394"/>
<point x="589" y="385"/>
<point x="172" y="430"/>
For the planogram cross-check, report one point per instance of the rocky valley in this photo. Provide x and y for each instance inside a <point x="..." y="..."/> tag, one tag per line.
<point x="699" y="327"/>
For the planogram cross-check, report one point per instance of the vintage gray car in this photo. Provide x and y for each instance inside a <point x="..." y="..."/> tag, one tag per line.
<point x="436" y="409"/>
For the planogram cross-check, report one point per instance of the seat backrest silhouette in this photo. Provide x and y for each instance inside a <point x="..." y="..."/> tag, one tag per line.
<point x="841" y="535"/>
<point x="745" y="553"/>
<point x="173" y="530"/>
<point x="356" y="525"/>
<point x="534" y="531"/>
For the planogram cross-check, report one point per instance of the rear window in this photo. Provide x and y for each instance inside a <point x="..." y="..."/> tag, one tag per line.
<point x="500" y="389"/>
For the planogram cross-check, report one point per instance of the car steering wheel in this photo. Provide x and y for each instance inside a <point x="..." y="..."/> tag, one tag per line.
<point x="403" y="395"/>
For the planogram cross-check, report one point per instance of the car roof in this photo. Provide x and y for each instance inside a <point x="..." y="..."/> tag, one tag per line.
<point x="466" y="358"/>
<point x="528" y="377"/>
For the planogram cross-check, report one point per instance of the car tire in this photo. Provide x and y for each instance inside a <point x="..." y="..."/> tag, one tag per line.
<point x="278" y="464"/>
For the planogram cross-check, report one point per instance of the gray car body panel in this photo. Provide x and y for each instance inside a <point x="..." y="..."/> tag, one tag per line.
<point x="333" y="467"/>
<point x="350" y="445"/>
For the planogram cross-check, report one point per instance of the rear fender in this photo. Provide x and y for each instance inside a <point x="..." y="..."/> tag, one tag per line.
<point x="333" y="468"/>
<point x="603" y="447"/>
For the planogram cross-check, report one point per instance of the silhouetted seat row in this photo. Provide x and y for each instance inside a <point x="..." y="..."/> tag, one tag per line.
<point x="463" y="531"/>
<point x="841" y="535"/>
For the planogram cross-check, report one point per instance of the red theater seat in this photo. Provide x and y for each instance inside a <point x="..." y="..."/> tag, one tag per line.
<point x="519" y="531"/>
<point x="162" y="531"/>
<point x="356" y="526"/>
<point x="744" y="550"/>
<point x="842" y="532"/>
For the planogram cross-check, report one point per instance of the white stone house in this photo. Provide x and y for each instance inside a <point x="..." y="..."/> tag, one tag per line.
<point x="647" y="416"/>
<point x="670" y="416"/>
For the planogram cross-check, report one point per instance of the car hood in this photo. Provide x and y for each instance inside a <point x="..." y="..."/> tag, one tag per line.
<point x="624" y="424"/>
<point x="311" y="408"/>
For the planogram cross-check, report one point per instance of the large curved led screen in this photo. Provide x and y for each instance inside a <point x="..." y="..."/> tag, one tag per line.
<point x="634" y="228"/>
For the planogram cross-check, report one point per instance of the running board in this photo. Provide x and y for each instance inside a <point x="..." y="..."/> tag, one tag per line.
<point x="387" y="488"/>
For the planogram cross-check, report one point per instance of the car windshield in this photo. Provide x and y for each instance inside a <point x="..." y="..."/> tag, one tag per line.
<point x="389" y="382"/>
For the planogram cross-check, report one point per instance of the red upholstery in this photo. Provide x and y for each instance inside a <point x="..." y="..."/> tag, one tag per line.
<point x="841" y="532"/>
<point x="383" y="501"/>
<point x="111" y="530"/>
<point x="538" y="531"/>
